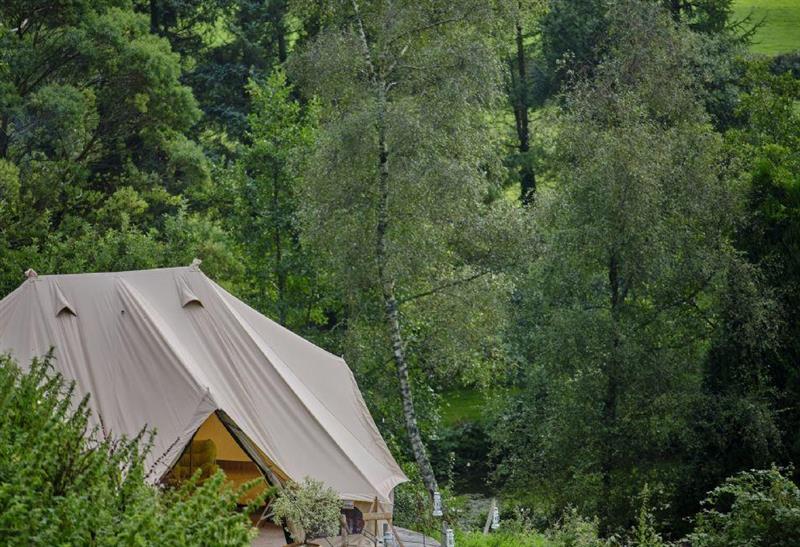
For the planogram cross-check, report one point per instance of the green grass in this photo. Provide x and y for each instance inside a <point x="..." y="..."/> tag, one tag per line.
<point x="477" y="539"/>
<point x="780" y="32"/>
<point x="463" y="406"/>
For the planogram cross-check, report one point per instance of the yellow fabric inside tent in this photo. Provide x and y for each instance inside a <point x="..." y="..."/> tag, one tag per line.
<point x="214" y="447"/>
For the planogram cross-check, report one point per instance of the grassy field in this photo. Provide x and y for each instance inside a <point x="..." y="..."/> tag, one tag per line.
<point x="477" y="539"/>
<point x="463" y="406"/>
<point x="780" y="32"/>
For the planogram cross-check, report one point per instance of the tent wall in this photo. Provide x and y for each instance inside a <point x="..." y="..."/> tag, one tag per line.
<point x="167" y="348"/>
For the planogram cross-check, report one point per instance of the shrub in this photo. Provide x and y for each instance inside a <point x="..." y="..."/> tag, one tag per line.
<point x="413" y="506"/>
<point x="63" y="483"/>
<point x="312" y="508"/>
<point x="645" y="533"/>
<point x="753" y="508"/>
<point x="575" y="530"/>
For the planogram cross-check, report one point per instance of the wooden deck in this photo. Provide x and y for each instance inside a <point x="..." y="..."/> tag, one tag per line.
<point x="271" y="536"/>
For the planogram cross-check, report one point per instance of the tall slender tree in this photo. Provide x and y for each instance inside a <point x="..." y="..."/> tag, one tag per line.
<point x="280" y="135"/>
<point x="400" y="174"/>
<point x="524" y="16"/>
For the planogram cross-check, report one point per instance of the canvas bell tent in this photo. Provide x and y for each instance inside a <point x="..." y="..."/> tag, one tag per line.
<point x="221" y="384"/>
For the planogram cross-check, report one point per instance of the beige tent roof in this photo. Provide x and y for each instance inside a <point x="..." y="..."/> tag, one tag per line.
<point x="167" y="347"/>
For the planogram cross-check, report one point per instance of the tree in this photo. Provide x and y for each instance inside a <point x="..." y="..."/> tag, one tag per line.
<point x="576" y="34"/>
<point x="766" y="142"/>
<point x="311" y="507"/>
<point x="615" y="314"/>
<point x="709" y="16"/>
<point x="394" y="197"/>
<point x="94" y="119"/>
<point x="573" y="39"/>
<point x="281" y="133"/>
<point x="223" y="44"/>
<point x="520" y="88"/>
<point x="757" y="507"/>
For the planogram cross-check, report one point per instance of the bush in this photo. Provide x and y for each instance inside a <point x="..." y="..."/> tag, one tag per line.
<point x="753" y="508"/>
<point x="576" y="531"/>
<point x="645" y="533"/>
<point x="62" y="483"/>
<point x="413" y="506"/>
<point x="312" y="509"/>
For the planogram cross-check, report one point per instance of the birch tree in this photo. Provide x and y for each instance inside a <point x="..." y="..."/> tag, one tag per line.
<point x="398" y="196"/>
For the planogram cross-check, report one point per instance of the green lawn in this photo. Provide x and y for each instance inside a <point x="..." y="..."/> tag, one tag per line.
<point x="477" y="539"/>
<point x="780" y="32"/>
<point x="463" y="406"/>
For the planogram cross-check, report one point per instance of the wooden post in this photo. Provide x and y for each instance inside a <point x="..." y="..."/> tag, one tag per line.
<point x="488" y="524"/>
<point x="373" y="510"/>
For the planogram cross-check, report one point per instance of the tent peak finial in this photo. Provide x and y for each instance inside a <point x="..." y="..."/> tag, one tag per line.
<point x="30" y="273"/>
<point x="196" y="264"/>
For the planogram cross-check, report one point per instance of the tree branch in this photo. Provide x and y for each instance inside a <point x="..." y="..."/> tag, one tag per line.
<point x="444" y="286"/>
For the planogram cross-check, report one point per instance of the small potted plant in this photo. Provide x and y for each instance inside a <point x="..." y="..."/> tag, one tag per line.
<point x="310" y="508"/>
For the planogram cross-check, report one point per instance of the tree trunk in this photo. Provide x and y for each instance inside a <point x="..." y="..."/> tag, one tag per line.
<point x="391" y="308"/>
<point x="610" y="442"/>
<point x="277" y="14"/>
<point x="154" y="16"/>
<point x="4" y="136"/>
<point x="520" y="98"/>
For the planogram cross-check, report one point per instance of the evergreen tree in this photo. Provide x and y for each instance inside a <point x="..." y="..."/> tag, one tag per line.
<point x="94" y="125"/>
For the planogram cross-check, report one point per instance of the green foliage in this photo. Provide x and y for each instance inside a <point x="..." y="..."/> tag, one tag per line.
<point x="767" y="143"/>
<point x="63" y="482"/>
<point x="223" y="45"/>
<point x="641" y="317"/>
<point x="753" y="508"/>
<point x="93" y="117"/>
<point x="708" y="16"/>
<point x="445" y="246"/>
<point x="413" y="506"/>
<point x="644" y="533"/>
<point x="312" y="508"/>
<point x="613" y="314"/>
<point x="573" y="38"/>
<point x="279" y="273"/>
<point x="573" y="530"/>
<point x="462" y="451"/>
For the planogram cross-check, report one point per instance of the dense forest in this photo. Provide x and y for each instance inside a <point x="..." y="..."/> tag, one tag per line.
<point x="583" y="214"/>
